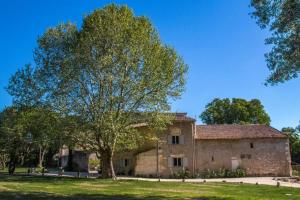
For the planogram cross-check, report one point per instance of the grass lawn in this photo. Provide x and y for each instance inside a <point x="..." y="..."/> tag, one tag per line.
<point x="46" y="188"/>
<point x="17" y="171"/>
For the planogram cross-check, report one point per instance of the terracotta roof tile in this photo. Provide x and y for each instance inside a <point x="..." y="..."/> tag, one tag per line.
<point x="182" y="117"/>
<point x="234" y="131"/>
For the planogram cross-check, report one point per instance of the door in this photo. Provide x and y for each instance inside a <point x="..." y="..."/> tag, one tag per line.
<point x="234" y="163"/>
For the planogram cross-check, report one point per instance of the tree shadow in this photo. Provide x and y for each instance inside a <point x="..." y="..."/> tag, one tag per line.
<point x="12" y="195"/>
<point x="40" y="178"/>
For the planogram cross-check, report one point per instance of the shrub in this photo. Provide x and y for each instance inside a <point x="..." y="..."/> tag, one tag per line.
<point x="222" y="173"/>
<point x="182" y="174"/>
<point x="94" y="164"/>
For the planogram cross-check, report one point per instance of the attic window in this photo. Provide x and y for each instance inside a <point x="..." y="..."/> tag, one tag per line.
<point x="251" y="145"/>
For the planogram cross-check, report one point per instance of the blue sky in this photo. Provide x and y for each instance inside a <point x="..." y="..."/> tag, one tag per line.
<point x="220" y="42"/>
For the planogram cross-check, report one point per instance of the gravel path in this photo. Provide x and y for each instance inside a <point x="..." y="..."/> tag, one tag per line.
<point x="251" y="180"/>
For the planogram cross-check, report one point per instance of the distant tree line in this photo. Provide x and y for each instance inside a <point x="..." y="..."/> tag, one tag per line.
<point x="31" y="136"/>
<point x="235" y="111"/>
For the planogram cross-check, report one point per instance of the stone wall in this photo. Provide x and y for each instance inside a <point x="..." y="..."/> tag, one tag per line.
<point x="183" y="150"/>
<point x="146" y="163"/>
<point x="122" y="168"/>
<point x="267" y="157"/>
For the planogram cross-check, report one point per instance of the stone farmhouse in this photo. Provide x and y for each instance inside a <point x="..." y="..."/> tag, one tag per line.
<point x="258" y="149"/>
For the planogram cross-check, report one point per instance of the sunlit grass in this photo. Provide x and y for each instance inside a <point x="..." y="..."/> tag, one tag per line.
<point x="46" y="188"/>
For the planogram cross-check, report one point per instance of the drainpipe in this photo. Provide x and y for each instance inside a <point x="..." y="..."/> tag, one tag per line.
<point x="194" y="150"/>
<point x="157" y="159"/>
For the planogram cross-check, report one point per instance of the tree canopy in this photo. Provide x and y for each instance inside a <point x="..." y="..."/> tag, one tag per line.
<point x="282" y="17"/>
<point x="294" y="139"/>
<point x="27" y="133"/>
<point x="235" y="111"/>
<point x="112" y="72"/>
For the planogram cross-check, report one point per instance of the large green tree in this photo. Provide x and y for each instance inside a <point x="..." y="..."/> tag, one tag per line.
<point x="28" y="131"/>
<point x="282" y="18"/>
<point x="44" y="127"/>
<point x="235" y="111"/>
<point x="112" y="73"/>
<point x="14" y="140"/>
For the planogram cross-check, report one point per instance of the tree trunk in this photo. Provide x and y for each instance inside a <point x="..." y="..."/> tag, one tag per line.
<point x="3" y="164"/>
<point x="12" y="164"/>
<point x="22" y="160"/>
<point x="3" y="161"/>
<point x="41" y="157"/>
<point x="107" y="168"/>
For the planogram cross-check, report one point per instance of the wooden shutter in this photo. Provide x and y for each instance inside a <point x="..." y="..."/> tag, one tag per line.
<point x="169" y="139"/>
<point x="170" y="162"/>
<point x="185" y="162"/>
<point x="181" y="139"/>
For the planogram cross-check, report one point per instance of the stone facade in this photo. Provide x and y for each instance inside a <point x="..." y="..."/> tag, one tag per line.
<point x="259" y="149"/>
<point x="160" y="160"/>
<point x="259" y="157"/>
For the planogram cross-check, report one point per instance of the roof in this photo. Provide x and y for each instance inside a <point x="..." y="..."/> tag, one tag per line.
<point x="178" y="117"/>
<point x="235" y="131"/>
<point x="182" y="117"/>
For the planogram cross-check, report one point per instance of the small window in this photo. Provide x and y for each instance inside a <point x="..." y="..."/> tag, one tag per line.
<point x="244" y="156"/>
<point x="126" y="162"/>
<point x="175" y="139"/>
<point x="177" y="162"/>
<point x="212" y="159"/>
<point x="251" y="145"/>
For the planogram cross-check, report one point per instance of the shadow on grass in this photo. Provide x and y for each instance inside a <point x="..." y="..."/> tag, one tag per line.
<point x="9" y="195"/>
<point x="33" y="178"/>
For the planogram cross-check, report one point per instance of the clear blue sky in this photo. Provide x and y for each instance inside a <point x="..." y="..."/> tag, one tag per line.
<point x="220" y="42"/>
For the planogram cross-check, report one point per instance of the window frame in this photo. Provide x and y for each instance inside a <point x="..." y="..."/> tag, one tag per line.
<point x="177" y="162"/>
<point x="175" y="139"/>
<point x="126" y="162"/>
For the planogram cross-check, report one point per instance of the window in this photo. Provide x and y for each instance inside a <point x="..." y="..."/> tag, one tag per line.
<point x="212" y="159"/>
<point x="175" y="139"/>
<point x="177" y="162"/>
<point x="244" y="156"/>
<point x="251" y="145"/>
<point x="126" y="162"/>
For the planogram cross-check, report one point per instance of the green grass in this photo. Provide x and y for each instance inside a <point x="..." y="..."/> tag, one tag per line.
<point x="17" y="171"/>
<point x="46" y="188"/>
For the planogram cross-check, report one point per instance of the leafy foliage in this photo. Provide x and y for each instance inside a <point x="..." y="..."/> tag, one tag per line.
<point x="235" y="111"/>
<point x="223" y="173"/>
<point x="282" y="17"/>
<point x="112" y="73"/>
<point x="294" y="139"/>
<point x="27" y="133"/>
<point x="14" y="140"/>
